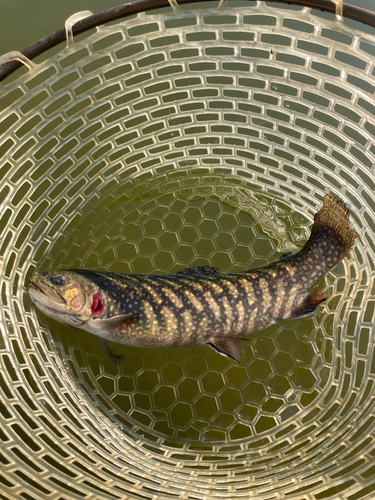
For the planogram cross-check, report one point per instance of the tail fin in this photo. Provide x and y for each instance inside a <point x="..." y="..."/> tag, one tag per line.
<point x="335" y="215"/>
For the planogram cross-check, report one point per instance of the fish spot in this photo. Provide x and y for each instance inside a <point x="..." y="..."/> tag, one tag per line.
<point x="197" y="287"/>
<point x="173" y="297"/>
<point x="194" y="301"/>
<point x="231" y="288"/>
<point x="216" y="288"/>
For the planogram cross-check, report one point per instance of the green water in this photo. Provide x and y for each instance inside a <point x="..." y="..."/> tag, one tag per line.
<point x="160" y="223"/>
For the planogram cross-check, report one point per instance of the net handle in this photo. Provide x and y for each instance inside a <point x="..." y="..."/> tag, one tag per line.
<point x="359" y="14"/>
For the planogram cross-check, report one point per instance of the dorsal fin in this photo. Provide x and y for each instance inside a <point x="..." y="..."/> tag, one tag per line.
<point x="286" y="255"/>
<point x="200" y="271"/>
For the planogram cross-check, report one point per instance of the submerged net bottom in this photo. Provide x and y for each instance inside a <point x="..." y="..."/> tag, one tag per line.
<point x="189" y="419"/>
<point x="129" y="161"/>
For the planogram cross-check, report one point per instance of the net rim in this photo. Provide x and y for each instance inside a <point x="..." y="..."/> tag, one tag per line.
<point x="352" y="12"/>
<point x="137" y="459"/>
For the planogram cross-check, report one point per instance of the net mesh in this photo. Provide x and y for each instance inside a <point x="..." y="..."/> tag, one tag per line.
<point x="178" y="138"/>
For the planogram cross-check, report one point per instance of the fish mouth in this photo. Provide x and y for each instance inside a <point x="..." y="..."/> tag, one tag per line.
<point x="62" y="317"/>
<point x="31" y="285"/>
<point x="41" y="300"/>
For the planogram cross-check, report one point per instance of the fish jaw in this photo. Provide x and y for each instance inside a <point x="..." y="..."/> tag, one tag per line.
<point x="47" y="307"/>
<point x="41" y="297"/>
<point x="70" y="303"/>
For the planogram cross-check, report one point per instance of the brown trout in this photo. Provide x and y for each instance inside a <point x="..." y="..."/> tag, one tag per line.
<point x="199" y="305"/>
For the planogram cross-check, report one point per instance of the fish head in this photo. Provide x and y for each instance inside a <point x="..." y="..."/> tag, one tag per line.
<point x="66" y="296"/>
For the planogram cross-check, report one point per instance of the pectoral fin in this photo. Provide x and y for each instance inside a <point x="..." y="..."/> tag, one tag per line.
<point x="227" y="347"/>
<point x="115" y="358"/>
<point x="116" y="323"/>
<point x="308" y="305"/>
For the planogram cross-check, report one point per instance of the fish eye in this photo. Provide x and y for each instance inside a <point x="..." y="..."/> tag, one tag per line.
<point x="58" y="280"/>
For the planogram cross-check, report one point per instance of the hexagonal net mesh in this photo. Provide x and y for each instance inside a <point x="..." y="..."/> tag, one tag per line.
<point x="179" y="138"/>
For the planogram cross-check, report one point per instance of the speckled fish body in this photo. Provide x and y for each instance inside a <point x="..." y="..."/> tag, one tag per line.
<point x="199" y="305"/>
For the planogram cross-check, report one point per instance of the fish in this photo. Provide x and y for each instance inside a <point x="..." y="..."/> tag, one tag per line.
<point x="200" y="305"/>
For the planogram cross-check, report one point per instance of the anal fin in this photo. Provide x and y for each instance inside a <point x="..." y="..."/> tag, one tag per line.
<point x="227" y="347"/>
<point x="308" y="304"/>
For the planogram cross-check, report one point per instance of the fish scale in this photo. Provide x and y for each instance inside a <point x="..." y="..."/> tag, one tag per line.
<point x="197" y="306"/>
